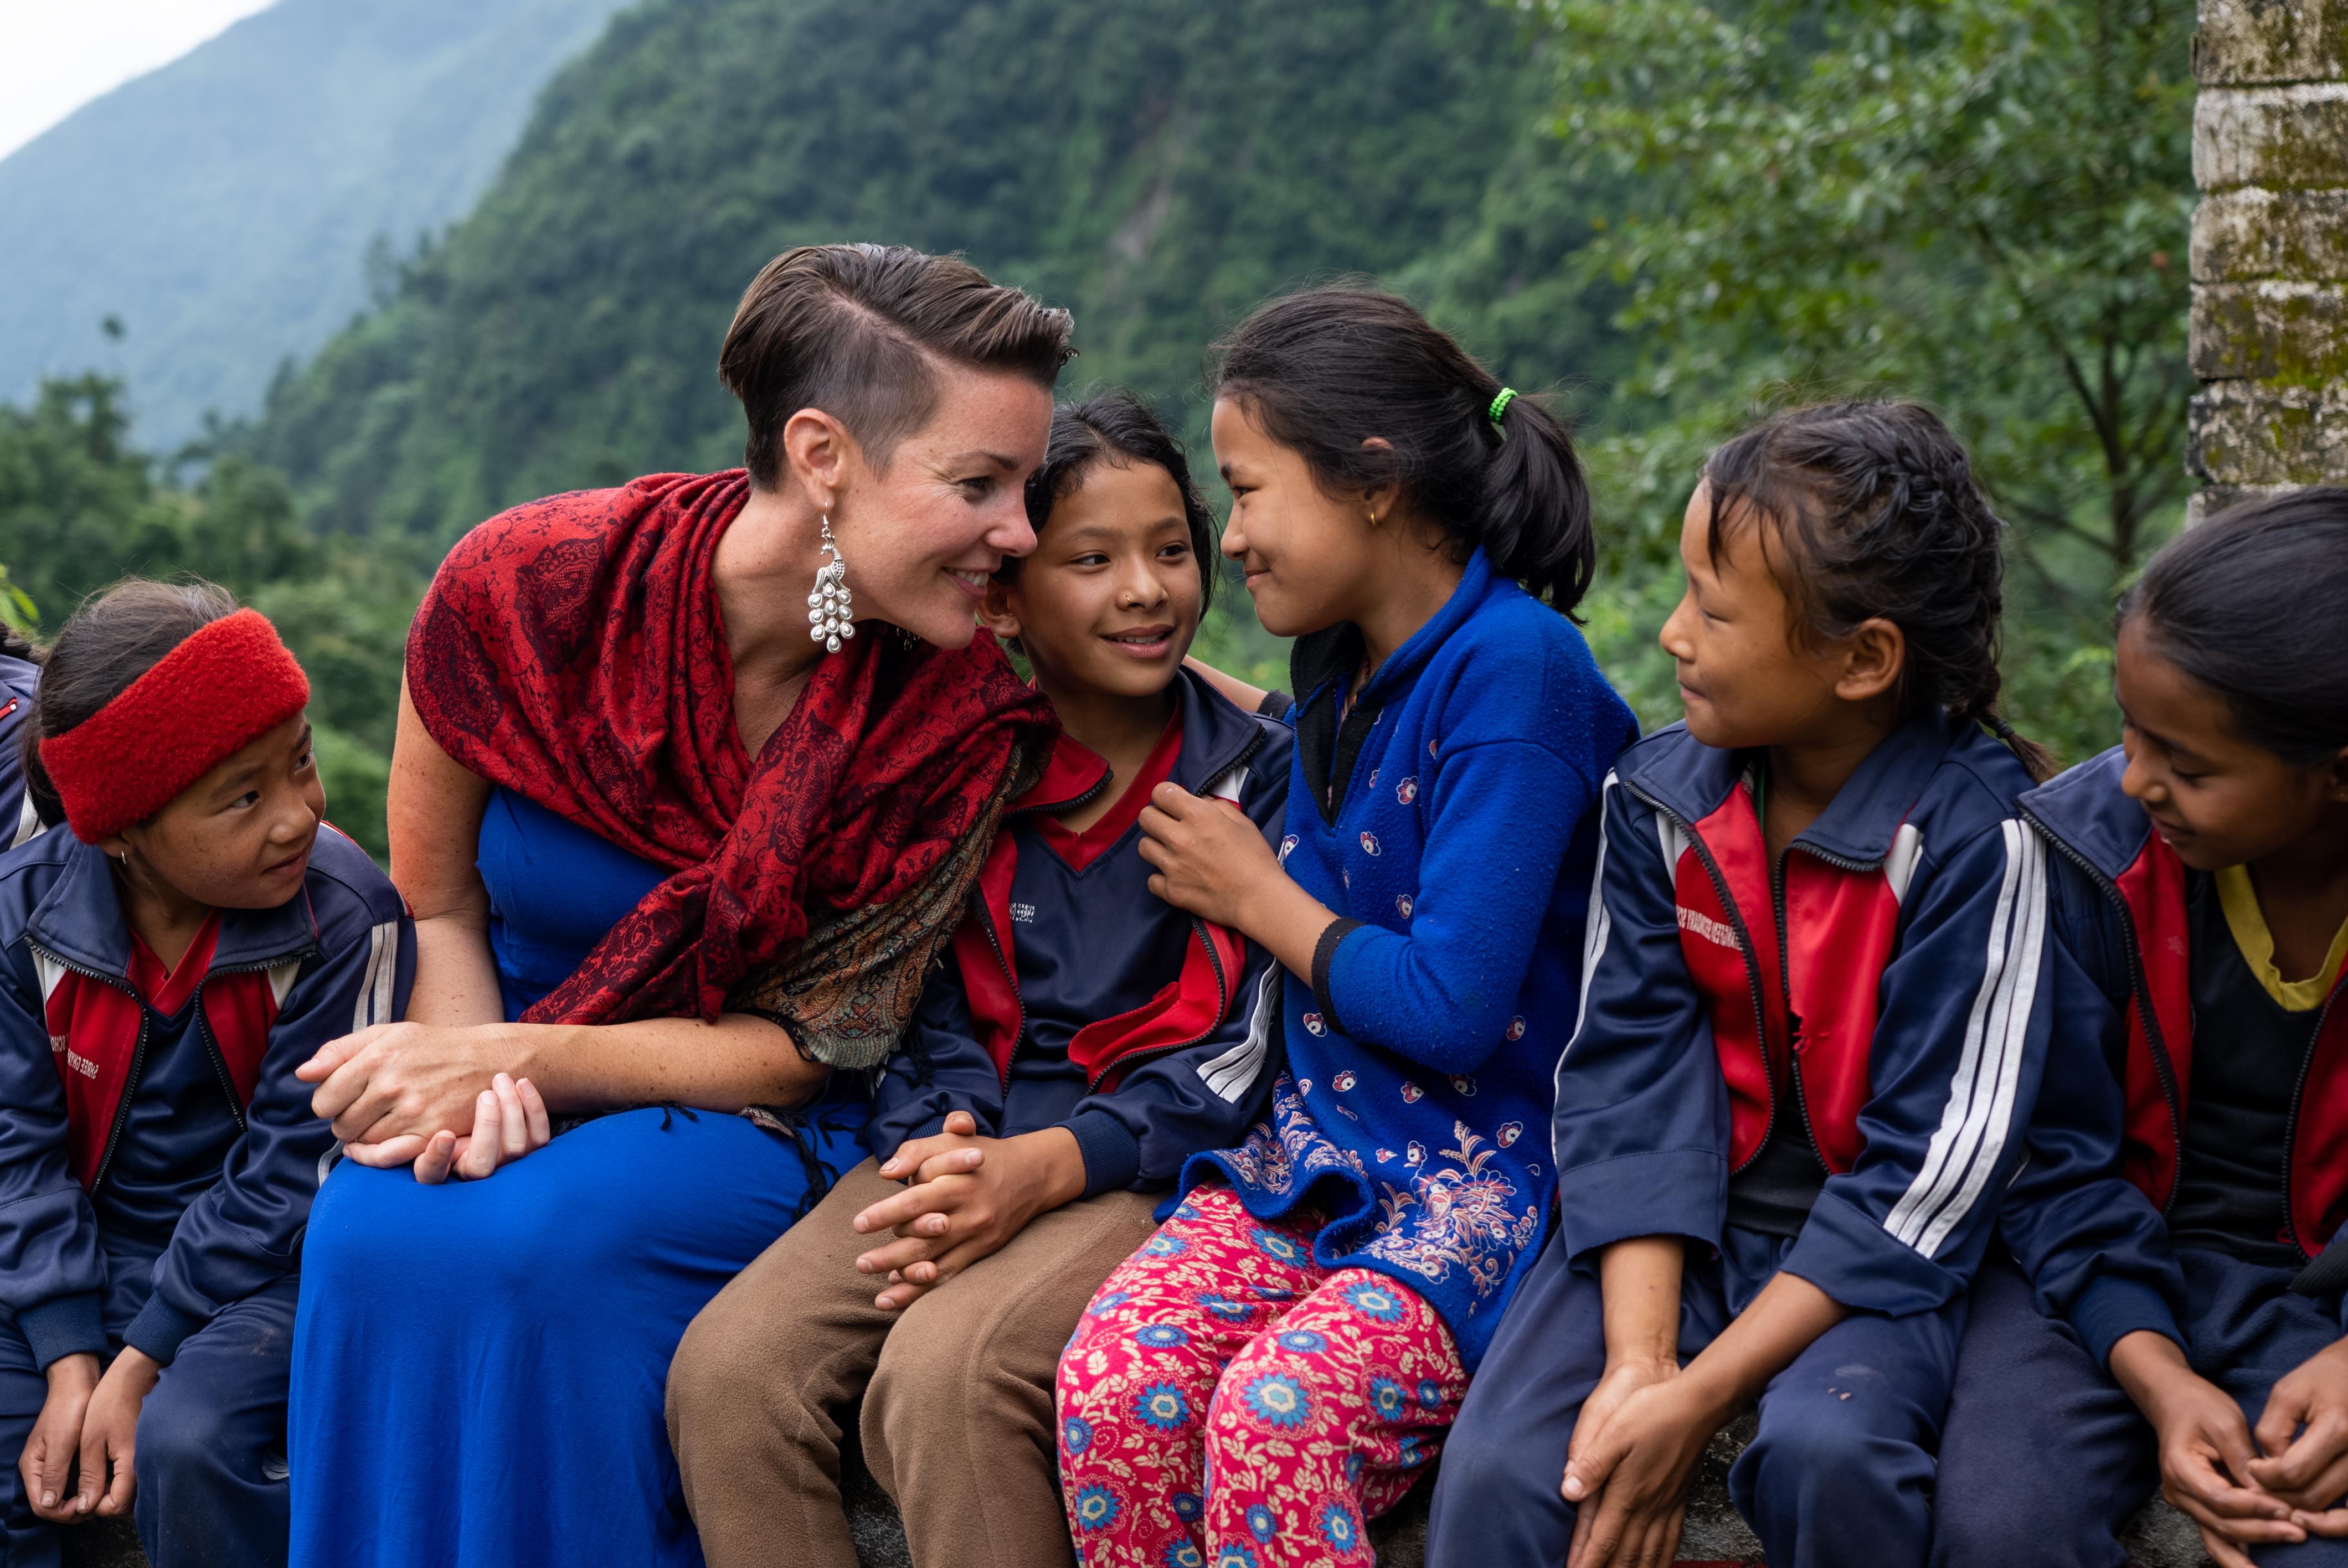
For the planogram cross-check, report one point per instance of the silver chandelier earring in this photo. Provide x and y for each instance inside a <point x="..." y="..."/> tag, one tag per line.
<point x="830" y="616"/>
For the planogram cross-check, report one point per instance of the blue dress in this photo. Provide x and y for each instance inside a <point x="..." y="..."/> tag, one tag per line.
<point x="480" y="1369"/>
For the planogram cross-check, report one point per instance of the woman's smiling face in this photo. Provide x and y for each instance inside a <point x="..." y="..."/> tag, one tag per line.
<point x="923" y="534"/>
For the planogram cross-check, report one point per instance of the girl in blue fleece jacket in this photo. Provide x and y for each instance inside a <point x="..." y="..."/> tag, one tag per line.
<point x="1333" y="1281"/>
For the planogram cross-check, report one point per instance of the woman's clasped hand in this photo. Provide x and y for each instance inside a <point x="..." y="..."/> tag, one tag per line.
<point x="395" y="1094"/>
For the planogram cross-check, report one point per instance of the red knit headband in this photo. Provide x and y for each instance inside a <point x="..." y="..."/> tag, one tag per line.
<point x="207" y="699"/>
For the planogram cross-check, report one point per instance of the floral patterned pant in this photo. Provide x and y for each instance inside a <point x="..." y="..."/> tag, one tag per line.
<point x="1227" y="1401"/>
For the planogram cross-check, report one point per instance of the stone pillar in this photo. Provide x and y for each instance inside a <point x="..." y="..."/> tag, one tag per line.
<point x="2269" y="328"/>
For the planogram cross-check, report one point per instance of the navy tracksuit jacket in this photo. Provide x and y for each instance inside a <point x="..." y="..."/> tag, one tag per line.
<point x="1164" y="1027"/>
<point x="157" y="1169"/>
<point x="1879" y="993"/>
<point x="2044" y="1456"/>
<point x="19" y="684"/>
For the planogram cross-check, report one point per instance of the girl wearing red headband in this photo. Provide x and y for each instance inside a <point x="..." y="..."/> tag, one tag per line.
<point x="164" y="967"/>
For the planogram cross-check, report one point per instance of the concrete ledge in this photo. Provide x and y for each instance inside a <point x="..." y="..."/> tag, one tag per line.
<point x="2242" y="42"/>
<point x="2290" y="138"/>
<point x="2160" y="1537"/>
<point x="2241" y="236"/>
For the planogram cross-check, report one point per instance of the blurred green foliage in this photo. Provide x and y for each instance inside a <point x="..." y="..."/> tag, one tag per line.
<point x="82" y="507"/>
<point x="1667" y="216"/>
<point x="1981" y="203"/>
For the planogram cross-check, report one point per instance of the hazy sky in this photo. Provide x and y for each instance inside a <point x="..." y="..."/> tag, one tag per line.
<point x="57" y="55"/>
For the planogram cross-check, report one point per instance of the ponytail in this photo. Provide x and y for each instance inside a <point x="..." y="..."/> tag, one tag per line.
<point x="1324" y="371"/>
<point x="1882" y="518"/>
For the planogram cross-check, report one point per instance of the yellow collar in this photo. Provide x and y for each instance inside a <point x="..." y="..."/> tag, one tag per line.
<point x="2248" y="922"/>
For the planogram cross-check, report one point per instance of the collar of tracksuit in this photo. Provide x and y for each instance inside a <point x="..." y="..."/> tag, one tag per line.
<point x="1321" y="662"/>
<point x="80" y="920"/>
<point x="2086" y="810"/>
<point x="1691" y="780"/>
<point x="1217" y="737"/>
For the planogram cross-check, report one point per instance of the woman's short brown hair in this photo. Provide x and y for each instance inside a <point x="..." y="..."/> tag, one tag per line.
<point x="853" y="330"/>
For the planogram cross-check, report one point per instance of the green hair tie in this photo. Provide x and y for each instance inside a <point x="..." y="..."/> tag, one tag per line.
<point x="1500" y="405"/>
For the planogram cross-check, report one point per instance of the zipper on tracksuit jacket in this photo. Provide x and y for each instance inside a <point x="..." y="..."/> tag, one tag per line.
<point x="2291" y="1129"/>
<point x="2162" y="1069"/>
<point x="1223" y="982"/>
<point x="137" y="1057"/>
<point x="1744" y="947"/>
<point x="1753" y="965"/>
<point x="139" y="1049"/>
<point x="204" y="1022"/>
<point x="1785" y="984"/>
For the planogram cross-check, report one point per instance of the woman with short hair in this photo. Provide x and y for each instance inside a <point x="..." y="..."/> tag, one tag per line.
<point x="692" y="779"/>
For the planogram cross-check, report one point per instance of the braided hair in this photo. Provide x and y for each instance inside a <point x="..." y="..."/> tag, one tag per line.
<point x="1323" y="371"/>
<point x="1875" y="504"/>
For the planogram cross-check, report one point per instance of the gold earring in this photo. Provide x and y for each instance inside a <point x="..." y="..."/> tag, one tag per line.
<point x="1374" y="519"/>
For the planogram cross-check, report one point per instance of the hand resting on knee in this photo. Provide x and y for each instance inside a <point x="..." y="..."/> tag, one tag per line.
<point x="966" y="1196"/>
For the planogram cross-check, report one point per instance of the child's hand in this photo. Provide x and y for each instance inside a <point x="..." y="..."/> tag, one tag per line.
<point x="47" y="1463"/>
<point x="1210" y="859"/>
<point x="949" y="1221"/>
<point x="1211" y="862"/>
<point x="957" y="1148"/>
<point x="2308" y="1468"/>
<point x="109" y="1431"/>
<point x="1629" y="1486"/>
<point x="2207" y="1463"/>
<point x="509" y="1121"/>
<point x="1620" y="1381"/>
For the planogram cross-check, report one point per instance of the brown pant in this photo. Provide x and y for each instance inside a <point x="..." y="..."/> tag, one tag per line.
<point x="957" y="1422"/>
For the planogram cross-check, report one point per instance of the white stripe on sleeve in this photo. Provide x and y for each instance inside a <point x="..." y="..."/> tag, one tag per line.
<point x="1234" y="1072"/>
<point x="1598" y="927"/>
<point x="376" y="993"/>
<point x="1976" y="1120"/>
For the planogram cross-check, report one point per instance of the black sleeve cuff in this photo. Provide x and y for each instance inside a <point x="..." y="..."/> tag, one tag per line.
<point x="1112" y="1154"/>
<point x="62" y="1326"/>
<point x="1276" y="704"/>
<point x="1324" y="953"/>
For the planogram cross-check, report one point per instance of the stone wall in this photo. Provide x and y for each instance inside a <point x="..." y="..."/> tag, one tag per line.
<point x="2270" y="329"/>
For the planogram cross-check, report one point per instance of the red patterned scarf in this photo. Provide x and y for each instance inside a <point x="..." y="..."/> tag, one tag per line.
<point x="570" y="651"/>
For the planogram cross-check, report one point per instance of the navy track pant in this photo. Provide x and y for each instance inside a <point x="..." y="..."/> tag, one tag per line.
<point x="210" y="1454"/>
<point x="1838" y="1476"/>
<point x="2045" y="1460"/>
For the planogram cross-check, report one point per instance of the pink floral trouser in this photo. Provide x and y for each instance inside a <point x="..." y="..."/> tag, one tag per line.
<point x="1227" y="1401"/>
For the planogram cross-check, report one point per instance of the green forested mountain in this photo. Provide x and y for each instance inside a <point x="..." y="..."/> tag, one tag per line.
<point x="1158" y="165"/>
<point x="222" y="209"/>
<point x="1676" y="212"/>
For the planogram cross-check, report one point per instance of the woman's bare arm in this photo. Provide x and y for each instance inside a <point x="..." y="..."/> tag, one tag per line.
<point x="434" y="813"/>
<point x="389" y="1087"/>
<point x="397" y="1083"/>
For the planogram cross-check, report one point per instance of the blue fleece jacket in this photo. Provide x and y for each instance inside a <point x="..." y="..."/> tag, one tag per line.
<point x="1449" y="822"/>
